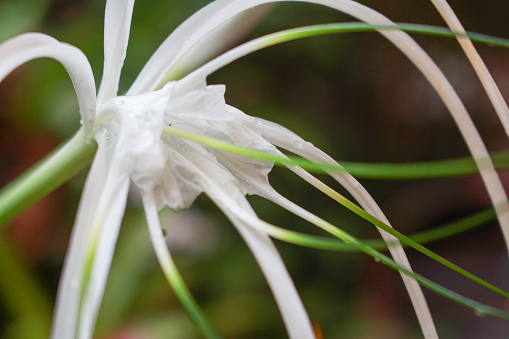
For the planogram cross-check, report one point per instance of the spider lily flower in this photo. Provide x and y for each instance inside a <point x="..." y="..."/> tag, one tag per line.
<point x="171" y="171"/>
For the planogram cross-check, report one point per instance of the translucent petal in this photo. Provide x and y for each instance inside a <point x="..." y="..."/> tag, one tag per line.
<point x="117" y="24"/>
<point x="69" y="288"/>
<point x="25" y="47"/>
<point x="479" y="66"/>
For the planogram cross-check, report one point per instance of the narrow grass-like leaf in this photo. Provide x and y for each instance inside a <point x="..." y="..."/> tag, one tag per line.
<point x="457" y="227"/>
<point x="423" y="170"/>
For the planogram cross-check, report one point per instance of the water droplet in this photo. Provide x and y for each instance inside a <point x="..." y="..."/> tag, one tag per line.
<point x="297" y="143"/>
<point x="377" y="259"/>
<point x="479" y="312"/>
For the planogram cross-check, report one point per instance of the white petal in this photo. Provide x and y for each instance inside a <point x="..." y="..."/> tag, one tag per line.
<point x="189" y="33"/>
<point x="220" y="186"/>
<point x="102" y="202"/>
<point x="479" y="66"/>
<point x="186" y="37"/>
<point x="117" y="24"/>
<point x="217" y="12"/>
<point x="218" y="41"/>
<point x="23" y="48"/>
<point x="202" y="110"/>
<point x="69" y="289"/>
<point x="286" y="139"/>
<point x="112" y="206"/>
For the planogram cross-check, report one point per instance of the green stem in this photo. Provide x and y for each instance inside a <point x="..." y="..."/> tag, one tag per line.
<point x="51" y="172"/>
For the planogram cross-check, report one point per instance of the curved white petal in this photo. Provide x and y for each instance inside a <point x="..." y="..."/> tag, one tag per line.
<point x="95" y="231"/>
<point x="218" y="41"/>
<point x="25" y="47"/>
<point x="117" y="24"/>
<point x="112" y="207"/>
<point x="69" y="288"/>
<point x="479" y="66"/>
<point x="189" y="33"/>
<point x="220" y="186"/>
<point x="213" y="15"/>
<point x="286" y="139"/>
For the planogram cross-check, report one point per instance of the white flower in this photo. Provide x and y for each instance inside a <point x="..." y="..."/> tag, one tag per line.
<point x="171" y="171"/>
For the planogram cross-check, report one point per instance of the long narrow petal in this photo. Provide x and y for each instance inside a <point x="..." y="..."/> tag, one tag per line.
<point x="218" y="41"/>
<point x="102" y="203"/>
<point x="108" y="221"/>
<point x="284" y="138"/>
<point x="214" y="180"/>
<point x="211" y="16"/>
<point x="478" y="64"/>
<point x="69" y="290"/>
<point x="189" y="33"/>
<point x="117" y="24"/>
<point x="23" y="48"/>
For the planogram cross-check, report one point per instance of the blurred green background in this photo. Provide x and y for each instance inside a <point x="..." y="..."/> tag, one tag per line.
<point x="353" y="95"/>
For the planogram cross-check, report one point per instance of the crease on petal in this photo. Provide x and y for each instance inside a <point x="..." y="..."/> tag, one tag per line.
<point x="25" y="47"/>
<point x="117" y="24"/>
<point x="223" y="189"/>
<point x="288" y="140"/>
